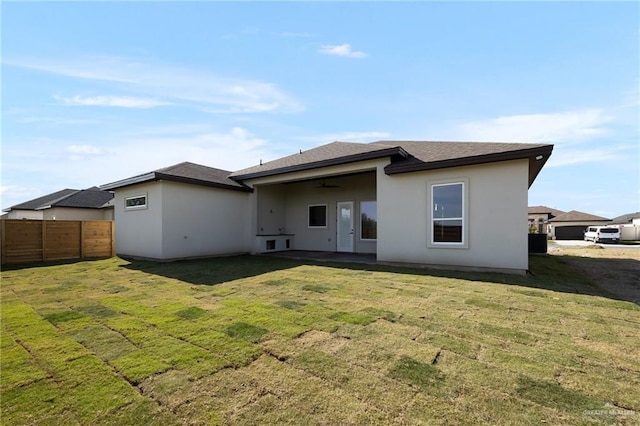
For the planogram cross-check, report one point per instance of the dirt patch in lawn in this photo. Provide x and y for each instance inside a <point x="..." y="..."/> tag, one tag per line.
<point x="615" y="270"/>
<point x="321" y="340"/>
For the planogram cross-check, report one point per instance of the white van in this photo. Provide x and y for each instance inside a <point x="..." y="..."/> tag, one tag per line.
<point x="602" y="234"/>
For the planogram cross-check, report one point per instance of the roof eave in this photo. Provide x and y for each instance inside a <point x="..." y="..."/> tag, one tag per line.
<point x="354" y="158"/>
<point x="128" y="182"/>
<point x="537" y="156"/>
<point x="182" y="179"/>
<point x="156" y="176"/>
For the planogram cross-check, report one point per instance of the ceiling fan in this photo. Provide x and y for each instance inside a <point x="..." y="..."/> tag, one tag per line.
<point x="324" y="184"/>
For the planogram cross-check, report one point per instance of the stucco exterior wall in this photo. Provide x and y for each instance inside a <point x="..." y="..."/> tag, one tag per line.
<point x="271" y="217"/>
<point x="273" y="194"/>
<point x="203" y="221"/>
<point x="181" y="221"/>
<point x="497" y="212"/>
<point x="299" y="196"/>
<point x="139" y="231"/>
<point x="69" y="213"/>
<point x="631" y="231"/>
<point x="25" y="214"/>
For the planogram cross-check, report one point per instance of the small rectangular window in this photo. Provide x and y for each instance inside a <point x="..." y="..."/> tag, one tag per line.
<point x="368" y="220"/>
<point x="447" y="213"/>
<point x="136" y="202"/>
<point x="318" y="216"/>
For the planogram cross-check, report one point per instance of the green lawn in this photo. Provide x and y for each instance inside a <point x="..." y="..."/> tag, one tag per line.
<point x="258" y="340"/>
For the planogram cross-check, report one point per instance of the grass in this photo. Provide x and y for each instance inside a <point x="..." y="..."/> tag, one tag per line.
<point x="251" y="340"/>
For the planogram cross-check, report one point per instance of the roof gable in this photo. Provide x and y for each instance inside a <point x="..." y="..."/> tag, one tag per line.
<point x="185" y="172"/>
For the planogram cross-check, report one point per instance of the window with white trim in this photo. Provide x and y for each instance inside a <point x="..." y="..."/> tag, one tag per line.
<point x="318" y="216"/>
<point x="448" y="213"/>
<point x="136" y="202"/>
<point x="368" y="220"/>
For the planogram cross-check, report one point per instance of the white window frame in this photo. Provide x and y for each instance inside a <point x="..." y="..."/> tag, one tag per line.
<point x="137" y="207"/>
<point x="464" y="244"/>
<point x="360" y="220"/>
<point x="326" y="216"/>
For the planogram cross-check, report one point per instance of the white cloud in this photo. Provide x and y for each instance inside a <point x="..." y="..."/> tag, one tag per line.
<point x="82" y="151"/>
<point x="176" y="84"/>
<point x="295" y="34"/>
<point x="569" y="126"/>
<point x="565" y="157"/>
<point x="342" y="50"/>
<point x="112" y="101"/>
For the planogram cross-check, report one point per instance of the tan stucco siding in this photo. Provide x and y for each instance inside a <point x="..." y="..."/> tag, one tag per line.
<point x="497" y="212"/>
<point x="271" y="217"/>
<point x="283" y="207"/>
<point x="25" y="214"/>
<point x="301" y="195"/>
<point x="203" y="221"/>
<point x="139" y="231"/>
<point x="70" y="213"/>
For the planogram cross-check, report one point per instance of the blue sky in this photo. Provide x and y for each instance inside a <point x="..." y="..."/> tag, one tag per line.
<point x="95" y="92"/>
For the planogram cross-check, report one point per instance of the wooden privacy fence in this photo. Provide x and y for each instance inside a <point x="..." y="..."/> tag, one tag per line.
<point x="26" y="241"/>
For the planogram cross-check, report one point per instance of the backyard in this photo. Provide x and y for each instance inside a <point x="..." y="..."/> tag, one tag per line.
<point x="262" y="340"/>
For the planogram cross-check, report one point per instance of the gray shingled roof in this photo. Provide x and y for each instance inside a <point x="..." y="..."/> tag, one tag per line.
<point x="44" y="200"/>
<point x="86" y="198"/>
<point x="576" y="216"/>
<point x="406" y="156"/>
<point x="185" y="172"/>
<point x="326" y="155"/>
<point x="430" y="155"/>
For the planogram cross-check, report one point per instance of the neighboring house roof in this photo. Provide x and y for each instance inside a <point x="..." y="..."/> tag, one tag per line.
<point x="44" y="200"/>
<point x="576" y="216"/>
<point x="406" y="156"/>
<point x="544" y="210"/>
<point x="625" y="218"/>
<point x="184" y="172"/>
<point x="92" y="198"/>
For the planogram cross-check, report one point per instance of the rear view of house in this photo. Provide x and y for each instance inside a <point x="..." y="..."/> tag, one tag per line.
<point x="427" y="203"/>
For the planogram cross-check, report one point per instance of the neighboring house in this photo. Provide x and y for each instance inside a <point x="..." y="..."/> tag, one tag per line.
<point x="571" y="225"/>
<point x="67" y="204"/>
<point x="427" y="203"/>
<point x="538" y="217"/>
<point x="629" y="225"/>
